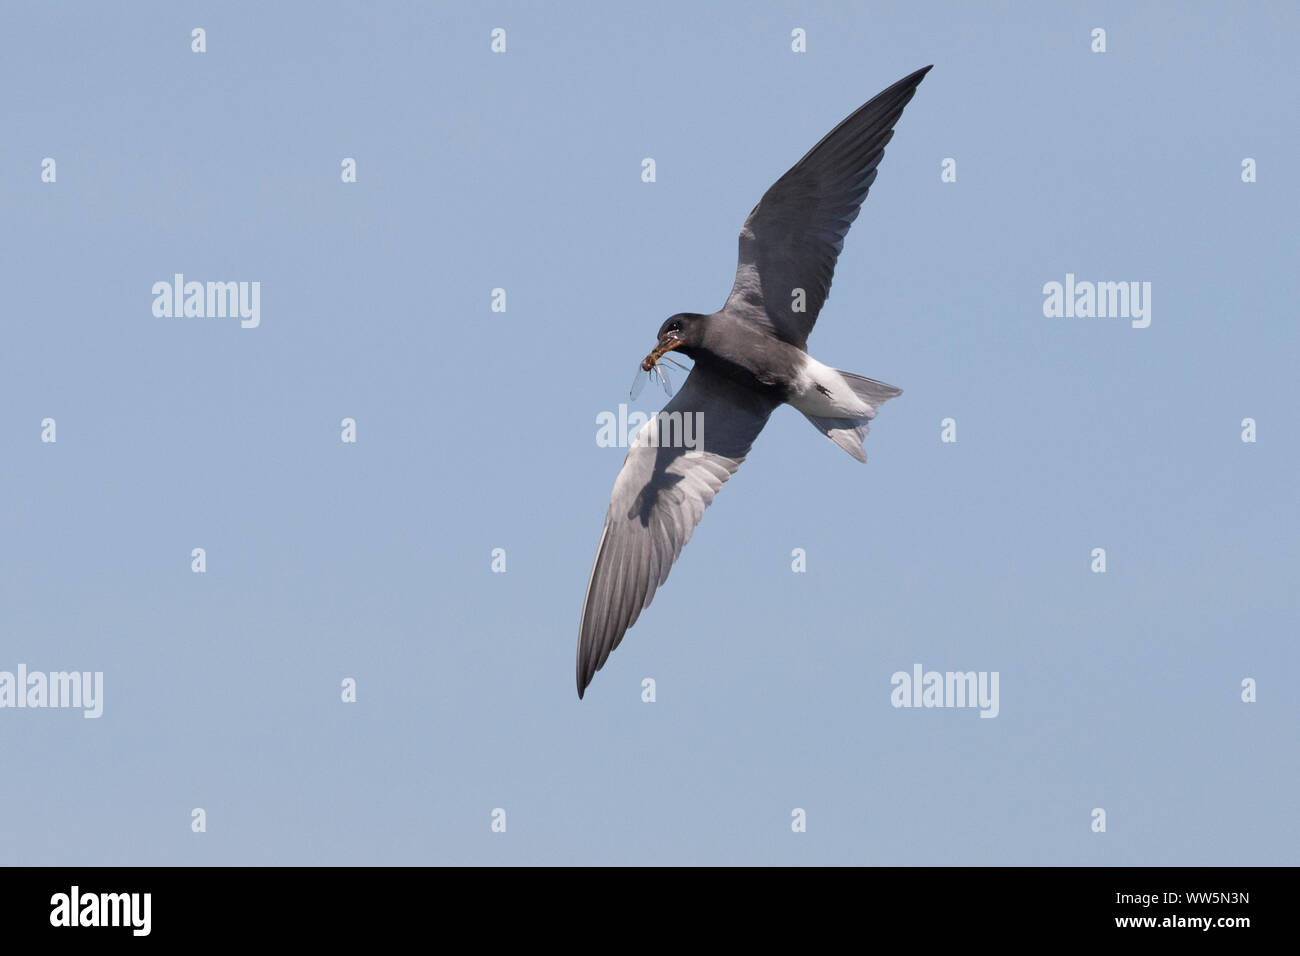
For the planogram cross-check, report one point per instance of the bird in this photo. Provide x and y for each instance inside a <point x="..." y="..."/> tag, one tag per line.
<point x="749" y="357"/>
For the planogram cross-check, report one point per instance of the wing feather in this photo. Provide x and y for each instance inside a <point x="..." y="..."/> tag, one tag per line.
<point x="659" y="497"/>
<point x="795" y="234"/>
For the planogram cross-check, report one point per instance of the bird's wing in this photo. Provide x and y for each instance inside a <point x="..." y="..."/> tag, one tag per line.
<point x="794" y="235"/>
<point x="659" y="498"/>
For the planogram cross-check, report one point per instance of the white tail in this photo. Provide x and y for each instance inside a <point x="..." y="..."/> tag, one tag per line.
<point x="849" y="432"/>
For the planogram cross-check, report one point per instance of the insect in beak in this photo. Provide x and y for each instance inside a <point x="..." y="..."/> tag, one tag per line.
<point x="653" y="366"/>
<point x="666" y="344"/>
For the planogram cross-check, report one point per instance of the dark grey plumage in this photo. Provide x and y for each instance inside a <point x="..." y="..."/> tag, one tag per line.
<point x="795" y="234"/>
<point x="750" y="356"/>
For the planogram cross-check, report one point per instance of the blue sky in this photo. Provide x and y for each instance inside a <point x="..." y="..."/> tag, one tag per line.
<point x="477" y="430"/>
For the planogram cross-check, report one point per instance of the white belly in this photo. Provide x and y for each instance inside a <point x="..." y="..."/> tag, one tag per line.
<point x="822" y="392"/>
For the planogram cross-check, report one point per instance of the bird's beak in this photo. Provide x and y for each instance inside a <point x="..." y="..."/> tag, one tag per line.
<point x="667" y="342"/>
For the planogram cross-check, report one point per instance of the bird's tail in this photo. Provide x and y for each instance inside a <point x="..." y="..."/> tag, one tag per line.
<point x="849" y="432"/>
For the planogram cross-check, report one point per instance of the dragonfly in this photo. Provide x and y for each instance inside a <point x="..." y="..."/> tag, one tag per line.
<point x="653" y="367"/>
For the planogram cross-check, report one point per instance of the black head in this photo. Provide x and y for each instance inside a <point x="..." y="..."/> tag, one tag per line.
<point x="682" y="332"/>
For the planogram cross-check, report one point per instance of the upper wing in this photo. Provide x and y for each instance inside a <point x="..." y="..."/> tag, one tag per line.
<point x="794" y="235"/>
<point x="659" y="498"/>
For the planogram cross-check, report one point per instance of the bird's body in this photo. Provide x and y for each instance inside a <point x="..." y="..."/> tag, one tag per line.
<point x="747" y="355"/>
<point x="750" y="357"/>
<point x="735" y="349"/>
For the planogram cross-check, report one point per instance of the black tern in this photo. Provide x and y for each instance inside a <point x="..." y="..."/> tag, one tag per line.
<point x="749" y="357"/>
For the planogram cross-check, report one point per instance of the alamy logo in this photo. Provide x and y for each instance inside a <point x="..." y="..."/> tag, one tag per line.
<point x="84" y="689"/>
<point x="102" y="909"/>
<point x="660" y="430"/>
<point x="208" y="300"/>
<point x="948" y="689"/>
<point x="1101" y="300"/>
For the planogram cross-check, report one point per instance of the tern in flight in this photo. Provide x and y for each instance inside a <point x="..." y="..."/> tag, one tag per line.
<point x="749" y="357"/>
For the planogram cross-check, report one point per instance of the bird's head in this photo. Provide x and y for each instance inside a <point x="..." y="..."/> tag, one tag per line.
<point x="682" y="333"/>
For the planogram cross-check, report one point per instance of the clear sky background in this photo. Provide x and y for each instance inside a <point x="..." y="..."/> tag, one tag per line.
<point x="477" y="430"/>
